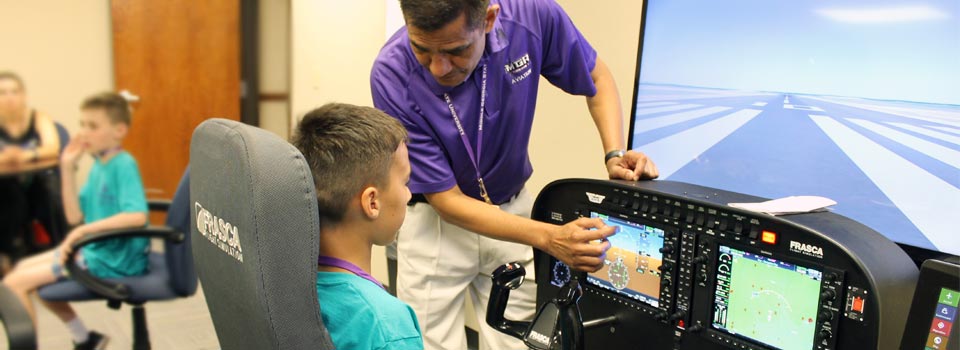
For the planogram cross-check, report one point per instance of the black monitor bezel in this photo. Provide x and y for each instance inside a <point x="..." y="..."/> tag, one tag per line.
<point x="636" y="76"/>
<point x="754" y="250"/>
<point x="666" y="231"/>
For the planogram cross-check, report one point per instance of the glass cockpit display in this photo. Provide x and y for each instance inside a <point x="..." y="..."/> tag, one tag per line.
<point x="631" y="267"/>
<point x="766" y="300"/>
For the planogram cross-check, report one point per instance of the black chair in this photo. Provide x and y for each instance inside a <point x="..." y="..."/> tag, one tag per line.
<point x="256" y="241"/>
<point x="49" y="209"/>
<point x="16" y="322"/>
<point x="63" y="135"/>
<point x="171" y="273"/>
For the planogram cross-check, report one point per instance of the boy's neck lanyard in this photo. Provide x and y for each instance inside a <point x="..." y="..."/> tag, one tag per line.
<point x="463" y="135"/>
<point x="346" y="265"/>
<point x="108" y="151"/>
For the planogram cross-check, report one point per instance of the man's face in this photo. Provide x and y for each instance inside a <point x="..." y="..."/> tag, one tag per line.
<point x="395" y="197"/>
<point x="450" y="53"/>
<point x="12" y="98"/>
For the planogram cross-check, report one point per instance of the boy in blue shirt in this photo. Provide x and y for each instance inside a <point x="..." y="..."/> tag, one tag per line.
<point x="358" y="156"/>
<point x="112" y="198"/>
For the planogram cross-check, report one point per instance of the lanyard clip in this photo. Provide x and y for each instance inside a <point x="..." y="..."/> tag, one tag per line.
<point x="483" y="191"/>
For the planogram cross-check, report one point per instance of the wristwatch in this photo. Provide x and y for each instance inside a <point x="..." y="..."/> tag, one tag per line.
<point x="617" y="153"/>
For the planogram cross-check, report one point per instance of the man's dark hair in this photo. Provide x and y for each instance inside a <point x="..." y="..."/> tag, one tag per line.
<point x="431" y="15"/>
<point x="347" y="147"/>
<point x="116" y="107"/>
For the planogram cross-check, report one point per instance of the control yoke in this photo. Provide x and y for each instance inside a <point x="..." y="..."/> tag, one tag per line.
<point x="557" y="324"/>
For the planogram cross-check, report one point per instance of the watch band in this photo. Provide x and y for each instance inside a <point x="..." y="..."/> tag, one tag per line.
<point x="617" y="153"/>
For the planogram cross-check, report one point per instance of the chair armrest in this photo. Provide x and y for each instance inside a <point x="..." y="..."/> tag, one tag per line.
<point x="107" y="289"/>
<point x="16" y="322"/>
<point x="158" y="204"/>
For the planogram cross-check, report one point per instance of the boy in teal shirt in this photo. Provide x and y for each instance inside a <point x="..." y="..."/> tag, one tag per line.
<point x="358" y="157"/>
<point x="112" y="198"/>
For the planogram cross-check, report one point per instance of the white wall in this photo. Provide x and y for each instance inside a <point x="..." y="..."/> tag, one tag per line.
<point x="274" y="61"/>
<point x="333" y="47"/>
<point x="62" y="49"/>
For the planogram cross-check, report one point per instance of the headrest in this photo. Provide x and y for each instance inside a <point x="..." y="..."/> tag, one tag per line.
<point x="255" y="237"/>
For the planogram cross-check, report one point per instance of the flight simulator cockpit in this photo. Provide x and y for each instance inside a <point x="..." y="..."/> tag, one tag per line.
<point x="772" y="103"/>
<point x="685" y="271"/>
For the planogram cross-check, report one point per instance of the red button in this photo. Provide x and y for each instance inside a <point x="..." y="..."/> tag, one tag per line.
<point x="857" y="304"/>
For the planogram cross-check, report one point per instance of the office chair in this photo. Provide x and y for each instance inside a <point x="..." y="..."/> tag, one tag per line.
<point x="170" y="273"/>
<point x="63" y="135"/>
<point x="50" y="215"/>
<point x="256" y="239"/>
<point x="16" y="322"/>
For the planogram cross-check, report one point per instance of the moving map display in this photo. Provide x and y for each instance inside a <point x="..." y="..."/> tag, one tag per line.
<point x="632" y="263"/>
<point x="766" y="300"/>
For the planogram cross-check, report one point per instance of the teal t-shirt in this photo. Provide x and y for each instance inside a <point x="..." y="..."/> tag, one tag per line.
<point x="112" y="188"/>
<point x="361" y="315"/>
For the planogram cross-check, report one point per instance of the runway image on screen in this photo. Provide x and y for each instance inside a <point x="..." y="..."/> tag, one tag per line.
<point x="775" y="101"/>
<point x="632" y="263"/>
<point x="766" y="300"/>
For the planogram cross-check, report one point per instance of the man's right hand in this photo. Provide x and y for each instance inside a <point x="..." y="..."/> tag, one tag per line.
<point x="581" y="248"/>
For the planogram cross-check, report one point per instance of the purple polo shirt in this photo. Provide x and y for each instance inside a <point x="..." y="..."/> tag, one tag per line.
<point x="529" y="39"/>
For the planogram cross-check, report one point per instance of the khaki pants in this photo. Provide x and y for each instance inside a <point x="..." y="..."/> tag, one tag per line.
<point x="438" y="262"/>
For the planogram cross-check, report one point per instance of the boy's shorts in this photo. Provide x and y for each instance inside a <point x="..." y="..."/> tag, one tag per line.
<point x="59" y="271"/>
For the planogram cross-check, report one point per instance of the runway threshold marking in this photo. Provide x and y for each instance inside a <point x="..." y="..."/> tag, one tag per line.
<point x="675" y="151"/>
<point x="890" y="173"/>
<point x="938" y="152"/>
<point x="644" y="125"/>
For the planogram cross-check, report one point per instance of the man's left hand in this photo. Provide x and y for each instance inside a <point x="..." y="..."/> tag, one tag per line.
<point x="632" y="166"/>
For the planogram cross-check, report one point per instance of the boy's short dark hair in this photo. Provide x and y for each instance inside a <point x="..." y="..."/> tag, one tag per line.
<point x="347" y="147"/>
<point x="116" y="107"/>
<point x="8" y="75"/>
<point x="431" y="15"/>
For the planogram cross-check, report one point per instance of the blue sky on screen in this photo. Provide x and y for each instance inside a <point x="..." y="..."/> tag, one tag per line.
<point x="887" y="50"/>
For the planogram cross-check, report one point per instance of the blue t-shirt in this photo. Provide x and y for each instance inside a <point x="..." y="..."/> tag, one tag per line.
<point x="361" y="315"/>
<point x="530" y="38"/>
<point x="112" y="188"/>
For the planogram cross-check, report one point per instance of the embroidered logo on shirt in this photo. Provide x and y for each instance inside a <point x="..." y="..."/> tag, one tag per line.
<point x="519" y="68"/>
<point x="106" y="195"/>
<point x="220" y="233"/>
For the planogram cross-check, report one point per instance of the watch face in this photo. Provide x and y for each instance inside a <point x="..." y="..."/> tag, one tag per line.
<point x="561" y="274"/>
<point x="619" y="276"/>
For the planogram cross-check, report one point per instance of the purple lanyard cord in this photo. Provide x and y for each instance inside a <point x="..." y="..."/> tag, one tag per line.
<point x="346" y="265"/>
<point x="463" y="135"/>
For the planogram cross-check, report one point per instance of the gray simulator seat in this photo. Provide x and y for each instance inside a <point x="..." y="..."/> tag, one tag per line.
<point x="255" y="238"/>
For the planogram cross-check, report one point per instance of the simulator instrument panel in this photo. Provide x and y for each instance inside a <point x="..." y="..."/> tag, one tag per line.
<point x="686" y="271"/>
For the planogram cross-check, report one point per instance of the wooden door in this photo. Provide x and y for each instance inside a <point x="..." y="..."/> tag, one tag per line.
<point x="182" y="58"/>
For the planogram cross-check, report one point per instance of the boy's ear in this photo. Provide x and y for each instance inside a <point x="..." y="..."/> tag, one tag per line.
<point x="120" y="130"/>
<point x="370" y="202"/>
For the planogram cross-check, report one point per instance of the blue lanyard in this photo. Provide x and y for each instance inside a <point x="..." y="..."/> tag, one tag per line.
<point x="346" y="265"/>
<point x="463" y="135"/>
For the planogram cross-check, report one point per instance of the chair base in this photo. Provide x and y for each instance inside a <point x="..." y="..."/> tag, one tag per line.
<point x="141" y="336"/>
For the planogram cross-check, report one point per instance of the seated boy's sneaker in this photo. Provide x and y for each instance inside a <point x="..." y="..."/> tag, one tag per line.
<point x="95" y="341"/>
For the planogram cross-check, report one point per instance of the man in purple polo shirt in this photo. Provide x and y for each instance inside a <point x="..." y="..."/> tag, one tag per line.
<point x="470" y="212"/>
